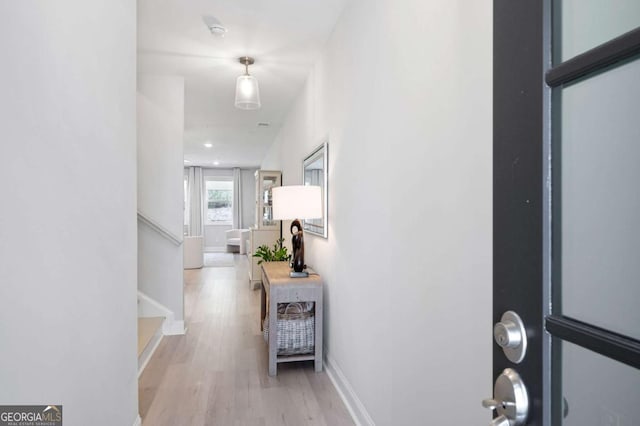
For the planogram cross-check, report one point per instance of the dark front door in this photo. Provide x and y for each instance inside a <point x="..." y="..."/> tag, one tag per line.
<point x="566" y="212"/>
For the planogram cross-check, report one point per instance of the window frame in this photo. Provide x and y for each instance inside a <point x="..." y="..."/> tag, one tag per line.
<point x="205" y="197"/>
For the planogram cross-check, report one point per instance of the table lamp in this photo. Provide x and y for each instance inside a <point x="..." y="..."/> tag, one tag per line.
<point x="297" y="202"/>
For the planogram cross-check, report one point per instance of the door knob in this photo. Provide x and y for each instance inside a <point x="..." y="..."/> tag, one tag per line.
<point x="500" y="421"/>
<point x="510" y="400"/>
<point x="511" y="336"/>
<point x="492" y="404"/>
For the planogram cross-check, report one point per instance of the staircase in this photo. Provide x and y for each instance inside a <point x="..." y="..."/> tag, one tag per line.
<point x="149" y="337"/>
<point x="150" y="333"/>
<point x="154" y="321"/>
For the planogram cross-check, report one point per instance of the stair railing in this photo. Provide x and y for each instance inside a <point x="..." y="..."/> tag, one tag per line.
<point x="159" y="229"/>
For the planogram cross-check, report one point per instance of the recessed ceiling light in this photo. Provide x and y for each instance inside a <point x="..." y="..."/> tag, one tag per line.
<point x="216" y="163"/>
<point x="187" y="161"/>
<point x="208" y="145"/>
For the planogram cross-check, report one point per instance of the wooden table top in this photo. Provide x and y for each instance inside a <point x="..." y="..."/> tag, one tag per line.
<point x="278" y="274"/>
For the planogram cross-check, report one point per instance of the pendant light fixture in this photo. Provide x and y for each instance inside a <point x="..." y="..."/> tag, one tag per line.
<point x="247" y="92"/>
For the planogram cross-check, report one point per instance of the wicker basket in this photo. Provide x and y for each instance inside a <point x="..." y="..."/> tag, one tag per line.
<point x="296" y="328"/>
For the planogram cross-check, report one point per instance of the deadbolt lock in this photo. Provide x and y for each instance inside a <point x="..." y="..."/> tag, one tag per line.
<point x="510" y="400"/>
<point x="511" y="336"/>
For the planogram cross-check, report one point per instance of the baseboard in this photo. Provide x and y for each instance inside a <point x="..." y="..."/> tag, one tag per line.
<point x="357" y="410"/>
<point x="148" y="307"/>
<point x="215" y="249"/>
<point x="171" y="327"/>
<point x="138" y="421"/>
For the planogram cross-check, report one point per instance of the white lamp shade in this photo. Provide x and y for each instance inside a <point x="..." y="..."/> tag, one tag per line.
<point x="297" y="202"/>
<point x="247" y="92"/>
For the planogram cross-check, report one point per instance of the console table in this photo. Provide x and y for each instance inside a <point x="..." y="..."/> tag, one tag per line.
<point x="279" y="287"/>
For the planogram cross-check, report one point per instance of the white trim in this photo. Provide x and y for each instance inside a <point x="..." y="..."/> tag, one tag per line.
<point x="159" y="229"/>
<point x="138" y="421"/>
<point x="213" y="249"/>
<point x="148" y="353"/>
<point x="357" y="410"/>
<point x="173" y="327"/>
<point x="147" y="307"/>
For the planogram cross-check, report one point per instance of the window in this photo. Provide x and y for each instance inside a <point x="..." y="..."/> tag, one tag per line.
<point x="219" y="201"/>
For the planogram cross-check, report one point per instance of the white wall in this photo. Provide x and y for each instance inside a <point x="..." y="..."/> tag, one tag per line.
<point x="160" y="188"/>
<point x="68" y="221"/>
<point x="215" y="237"/>
<point x="404" y="92"/>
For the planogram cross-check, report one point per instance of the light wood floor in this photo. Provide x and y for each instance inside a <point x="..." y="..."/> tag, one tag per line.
<point x="217" y="373"/>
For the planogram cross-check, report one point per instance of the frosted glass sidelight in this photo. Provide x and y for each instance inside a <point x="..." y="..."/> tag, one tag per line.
<point x="586" y="24"/>
<point x="598" y="390"/>
<point x="600" y="206"/>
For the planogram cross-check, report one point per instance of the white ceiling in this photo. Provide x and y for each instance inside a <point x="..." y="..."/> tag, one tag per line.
<point x="284" y="37"/>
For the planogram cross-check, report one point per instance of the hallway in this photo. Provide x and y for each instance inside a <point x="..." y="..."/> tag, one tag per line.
<point x="216" y="374"/>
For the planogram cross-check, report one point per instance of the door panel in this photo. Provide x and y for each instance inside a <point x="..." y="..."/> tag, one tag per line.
<point x="598" y="390"/>
<point x="600" y="200"/>
<point x="517" y="196"/>
<point x="566" y="202"/>
<point x="585" y="24"/>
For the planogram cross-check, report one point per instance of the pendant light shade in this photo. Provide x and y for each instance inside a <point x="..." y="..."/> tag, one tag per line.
<point x="247" y="91"/>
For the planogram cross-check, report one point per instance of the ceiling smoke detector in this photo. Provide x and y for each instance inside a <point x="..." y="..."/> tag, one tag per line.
<point x="263" y="124"/>
<point x="214" y="25"/>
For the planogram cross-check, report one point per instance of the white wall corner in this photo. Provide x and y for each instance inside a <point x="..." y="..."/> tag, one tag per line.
<point x="137" y="421"/>
<point x="357" y="410"/>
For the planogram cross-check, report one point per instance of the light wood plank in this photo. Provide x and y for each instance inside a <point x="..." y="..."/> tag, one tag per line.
<point x="217" y="373"/>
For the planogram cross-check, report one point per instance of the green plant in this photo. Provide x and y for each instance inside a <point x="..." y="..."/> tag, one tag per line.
<point x="278" y="253"/>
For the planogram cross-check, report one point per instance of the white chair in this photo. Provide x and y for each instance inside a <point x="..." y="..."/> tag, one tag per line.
<point x="236" y="240"/>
